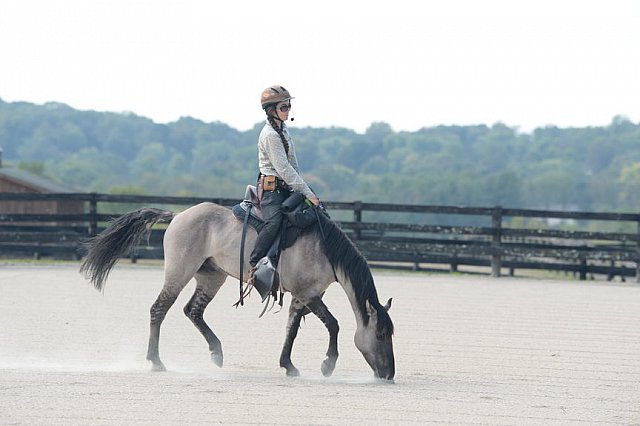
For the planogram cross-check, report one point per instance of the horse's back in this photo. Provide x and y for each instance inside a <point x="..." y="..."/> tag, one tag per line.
<point x="206" y="230"/>
<point x="201" y="213"/>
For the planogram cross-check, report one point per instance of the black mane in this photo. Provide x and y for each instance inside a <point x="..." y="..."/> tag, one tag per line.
<point x="344" y="255"/>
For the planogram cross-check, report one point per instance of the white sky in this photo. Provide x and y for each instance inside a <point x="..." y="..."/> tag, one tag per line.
<point x="409" y="63"/>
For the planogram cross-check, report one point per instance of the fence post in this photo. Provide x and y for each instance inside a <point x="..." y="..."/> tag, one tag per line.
<point x="496" y="224"/>
<point x="583" y="267"/>
<point x="357" y="217"/>
<point x="638" y="253"/>
<point x="93" y="214"/>
<point x="453" y="266"/>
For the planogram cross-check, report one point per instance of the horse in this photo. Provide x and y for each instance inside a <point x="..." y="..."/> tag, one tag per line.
<point x="203" y="242"/>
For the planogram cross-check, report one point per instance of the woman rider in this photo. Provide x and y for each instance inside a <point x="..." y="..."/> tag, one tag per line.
<point x="279" y="172"/>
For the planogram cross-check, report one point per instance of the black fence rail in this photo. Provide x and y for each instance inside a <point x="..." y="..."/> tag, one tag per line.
<point x="490" y="238"/>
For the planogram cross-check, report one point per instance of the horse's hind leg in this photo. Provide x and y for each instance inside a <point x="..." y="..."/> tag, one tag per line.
<point x="209" y="280"/>
<point x="296" y="311"/>
<point x="317" y="306"/>
<point x="165" y="300"/>
<point x="176" y="276"/>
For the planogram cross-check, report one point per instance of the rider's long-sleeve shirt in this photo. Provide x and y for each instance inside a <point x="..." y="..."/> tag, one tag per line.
<point x="273" y="159"/>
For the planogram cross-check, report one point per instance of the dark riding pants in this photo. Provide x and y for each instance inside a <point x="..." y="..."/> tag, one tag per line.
<point x="272" y="214"/>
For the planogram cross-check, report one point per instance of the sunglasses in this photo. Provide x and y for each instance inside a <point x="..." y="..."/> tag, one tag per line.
<point x="285" y="108"/>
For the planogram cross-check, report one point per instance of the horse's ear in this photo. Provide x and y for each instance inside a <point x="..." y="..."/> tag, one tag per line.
<point x="371" y="311"/>
<point x="388" y="305"/>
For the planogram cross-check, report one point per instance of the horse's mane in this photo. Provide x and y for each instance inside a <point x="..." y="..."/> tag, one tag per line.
<point x="344" y="255"/>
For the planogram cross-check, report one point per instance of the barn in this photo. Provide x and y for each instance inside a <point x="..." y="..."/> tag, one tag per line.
<point x="20" y="236"/>
<point x="16" y="180"/>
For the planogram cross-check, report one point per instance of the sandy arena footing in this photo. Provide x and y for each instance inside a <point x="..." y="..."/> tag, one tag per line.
<point x="469" y="350"/>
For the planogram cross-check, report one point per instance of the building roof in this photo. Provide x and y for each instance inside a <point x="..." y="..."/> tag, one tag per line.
<point x="31" y="180"/>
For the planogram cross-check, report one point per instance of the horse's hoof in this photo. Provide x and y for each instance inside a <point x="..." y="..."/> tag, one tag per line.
<point x="158" y="366"/>
<point x="292" y="372"/>
<point x="217" y="358"/>
<point x="327" y="367"/>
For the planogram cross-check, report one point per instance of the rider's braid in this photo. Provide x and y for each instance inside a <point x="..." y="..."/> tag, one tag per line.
<point x="280" y="132"/>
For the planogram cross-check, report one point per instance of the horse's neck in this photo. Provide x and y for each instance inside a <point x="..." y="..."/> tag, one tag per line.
<point x="307" y="250"/>
<point x="347" y="286"/>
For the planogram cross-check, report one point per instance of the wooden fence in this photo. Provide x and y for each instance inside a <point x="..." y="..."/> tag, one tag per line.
<point x="420" y="242"/>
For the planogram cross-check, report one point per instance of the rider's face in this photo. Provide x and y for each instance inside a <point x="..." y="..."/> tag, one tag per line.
<point x="282" y="110"/>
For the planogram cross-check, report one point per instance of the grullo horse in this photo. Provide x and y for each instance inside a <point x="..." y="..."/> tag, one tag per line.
<point x="203" y="242"/>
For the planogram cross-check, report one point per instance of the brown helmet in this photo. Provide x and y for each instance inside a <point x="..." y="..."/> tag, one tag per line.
<point x="273" y="95"/>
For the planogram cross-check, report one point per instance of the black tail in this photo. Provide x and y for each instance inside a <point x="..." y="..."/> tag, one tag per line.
<point x="122" y="234"/>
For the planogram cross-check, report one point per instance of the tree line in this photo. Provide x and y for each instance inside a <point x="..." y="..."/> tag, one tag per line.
<point x="590" y="168"/>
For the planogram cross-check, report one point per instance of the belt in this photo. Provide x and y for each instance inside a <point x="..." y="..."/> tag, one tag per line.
<point x="272" y="183"/>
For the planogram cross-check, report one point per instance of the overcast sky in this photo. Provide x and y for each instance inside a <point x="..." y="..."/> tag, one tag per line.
<point x="411" y="64"/>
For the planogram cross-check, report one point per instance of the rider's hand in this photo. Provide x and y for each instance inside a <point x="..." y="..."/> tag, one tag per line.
<point x="315" y="201"/>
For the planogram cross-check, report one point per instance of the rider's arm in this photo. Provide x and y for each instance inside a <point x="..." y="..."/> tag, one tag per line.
<point x="278" y="157"/>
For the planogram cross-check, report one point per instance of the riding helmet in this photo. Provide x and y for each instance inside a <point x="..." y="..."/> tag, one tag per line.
<point x="273" y="95"/>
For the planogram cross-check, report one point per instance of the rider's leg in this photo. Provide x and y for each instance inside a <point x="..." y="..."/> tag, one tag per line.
<point x="272" y="214"/>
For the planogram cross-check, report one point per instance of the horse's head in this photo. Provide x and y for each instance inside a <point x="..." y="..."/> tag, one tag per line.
<point x="375" y="340"/>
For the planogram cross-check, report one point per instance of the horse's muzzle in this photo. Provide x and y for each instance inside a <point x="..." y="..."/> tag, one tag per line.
<point x="385" y="373"/>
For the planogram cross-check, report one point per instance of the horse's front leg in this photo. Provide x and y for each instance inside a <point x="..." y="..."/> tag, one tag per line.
<point x="296" y="311"/>
<point x="317" y="306"/>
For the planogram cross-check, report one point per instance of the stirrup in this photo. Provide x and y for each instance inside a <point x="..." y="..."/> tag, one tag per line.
<point x="263" y="277"/>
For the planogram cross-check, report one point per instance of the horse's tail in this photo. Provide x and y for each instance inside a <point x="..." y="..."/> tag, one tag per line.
<point x="122" y="234"/>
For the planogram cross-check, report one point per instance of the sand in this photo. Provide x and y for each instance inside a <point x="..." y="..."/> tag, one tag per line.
<point x="469" y="350"/>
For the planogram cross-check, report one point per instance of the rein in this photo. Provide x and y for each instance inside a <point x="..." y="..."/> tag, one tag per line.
<point x="242" y="241"/>
<point x="324" y="238"/>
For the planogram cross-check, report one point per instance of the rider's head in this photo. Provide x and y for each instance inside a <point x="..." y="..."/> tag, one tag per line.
<point x="276" y="102"/>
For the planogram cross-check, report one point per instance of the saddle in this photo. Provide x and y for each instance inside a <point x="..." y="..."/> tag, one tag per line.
<point x="297" y="217"/>
<point x="251" y="205"/>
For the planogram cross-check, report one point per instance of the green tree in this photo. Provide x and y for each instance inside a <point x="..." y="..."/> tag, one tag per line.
<point x="629" y="182"/>
<point x="35" y="167"/>
<point x="551" y="167"/>
<point x="151" y="158"/>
